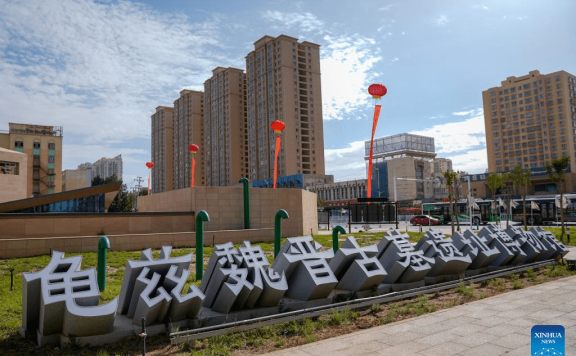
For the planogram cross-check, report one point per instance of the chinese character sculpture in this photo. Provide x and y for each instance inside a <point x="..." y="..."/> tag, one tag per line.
<point x="143" y="296"/>
<point x="528" y="242"/>
<point x="357" y="268"/>
<point x="555" y="248"/>
<point x="62" y="299"/>
<point x="306" y="268"/>
<point x="403" y="263"/>
<point x="476" y="247"/>
<point x="447" y="258"/>
<point x="240" y="279"/>
<point x="510" y="251"/>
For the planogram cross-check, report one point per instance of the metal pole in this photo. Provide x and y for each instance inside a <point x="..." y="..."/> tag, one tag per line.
<point x="143" y="336"/>
<point x="103" y="246"/>
<point x="11" y="279"/>
<point x="244" y="181"/>
<point x="200" y="219"/>
<point x="335" y="231"/>
<point x="349" y="219"/>
<point x="281" y="214"/>
<point x="469" y="205"/>
<point x="396" y="205"/>
<point x="395" y="193"/>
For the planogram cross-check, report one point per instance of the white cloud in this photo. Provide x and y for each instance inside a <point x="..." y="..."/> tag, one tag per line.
<point x="473" y="161"/>
<point x="442" y="20"/>
<point x="387" y="7"/>
<point x="481" y="7"/>
<point x="346" y="163"/>
<point x="456" y="137"/>
<point x="304" y="21"/>
<point x="463" y="113"/>
<point x="347" y="62"/>
<point x="98" y="69"/>
<point x="395" y="59"/>
<point x="464" y="142"/>
<point x="347" y="69"/>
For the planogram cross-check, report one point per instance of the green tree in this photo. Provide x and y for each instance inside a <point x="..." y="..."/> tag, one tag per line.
<point x="495" y="182"/>
<point x="451" y="178"/>
<point x="521" y="178"/>
<point x="121" y="203"/>
<point x="557" y="172"/>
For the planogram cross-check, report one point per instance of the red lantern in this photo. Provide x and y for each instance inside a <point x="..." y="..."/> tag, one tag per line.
<point x="278" y="126"/>
<point x="149" y="165"/>
<point x="377" y="90"/>
<point x="193" y="148"/>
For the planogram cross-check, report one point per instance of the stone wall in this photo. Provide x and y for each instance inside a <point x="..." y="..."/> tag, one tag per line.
<point x="225" y="207"/>
<point x="27" y="247"/>
<point x="18" y="226"/>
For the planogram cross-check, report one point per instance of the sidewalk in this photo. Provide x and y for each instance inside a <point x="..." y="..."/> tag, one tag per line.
<point x="494" y="326"/>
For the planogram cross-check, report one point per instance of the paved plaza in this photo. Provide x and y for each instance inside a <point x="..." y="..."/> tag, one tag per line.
<point x="493" y="326"/>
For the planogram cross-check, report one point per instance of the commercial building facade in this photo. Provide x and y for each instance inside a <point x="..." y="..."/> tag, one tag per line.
<point x="405" y="169"/>
<point x="530" y="120"/>
<point x="162" y="124"/>
<point x="43" y="147"/>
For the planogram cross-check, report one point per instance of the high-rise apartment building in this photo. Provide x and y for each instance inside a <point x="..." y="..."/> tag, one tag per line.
<point x="530" y="120"/>
<point x="162" y="124"/>
<point x="188" y="129"/>
<point x="283" y="83"/>
<point x="43" y="146"/>
<point x="107" y="167"/>
<point x="225" y="142"/>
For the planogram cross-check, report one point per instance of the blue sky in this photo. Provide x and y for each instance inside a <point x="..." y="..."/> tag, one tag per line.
<point x="100" y="68"/>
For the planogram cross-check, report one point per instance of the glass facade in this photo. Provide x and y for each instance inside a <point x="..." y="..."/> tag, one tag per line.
<point x="89" y="204"/>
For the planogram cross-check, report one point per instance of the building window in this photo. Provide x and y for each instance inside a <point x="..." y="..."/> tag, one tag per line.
<point x="36" y="145"/>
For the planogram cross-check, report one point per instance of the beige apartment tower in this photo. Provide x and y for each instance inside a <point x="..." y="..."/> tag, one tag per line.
<point x="225" y="145"/>
<point x="43" y="146"/>
<point x="283" y="83"/>
<point x="188" y="129"/>
<point x="530" y="120"/>
<point x="162" y="122"/>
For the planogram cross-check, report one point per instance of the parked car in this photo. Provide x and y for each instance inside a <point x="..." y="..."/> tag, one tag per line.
<point x="424" y="220"/>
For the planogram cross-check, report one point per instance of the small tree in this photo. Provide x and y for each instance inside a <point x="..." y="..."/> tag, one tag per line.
<point x="557" y="172"/>
<point x="451" y="178"/>
<point x="495" y="182"/>
<point x="521" y="178"/>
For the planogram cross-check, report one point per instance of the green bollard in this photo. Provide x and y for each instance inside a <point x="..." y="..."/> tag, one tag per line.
<point x="335" y="231"/>
<point x="246" y="203"/>
<point x="200" y="219"/>
<point x="281" y="214"/>
<point x="103" y="246"/>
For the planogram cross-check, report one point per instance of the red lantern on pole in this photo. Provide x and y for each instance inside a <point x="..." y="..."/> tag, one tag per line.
<point x="377" y="91"/>
<point x="278" y="126"/>
<point x="149" y="165"/>
<point x="193" y="149"/>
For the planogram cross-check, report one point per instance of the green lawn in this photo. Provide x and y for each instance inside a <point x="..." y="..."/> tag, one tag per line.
<point x="11" y="301"/>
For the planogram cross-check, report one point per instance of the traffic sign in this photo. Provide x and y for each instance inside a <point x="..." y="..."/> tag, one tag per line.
<point x="428" y="207"/>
